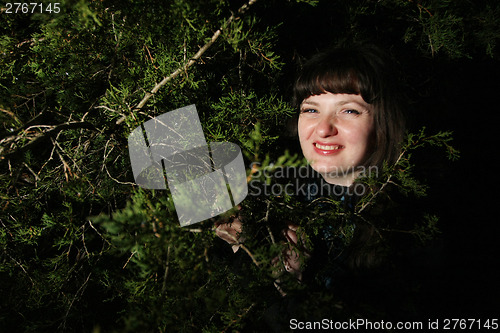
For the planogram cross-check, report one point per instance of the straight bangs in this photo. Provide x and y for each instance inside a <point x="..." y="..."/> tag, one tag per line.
<point x="337" y="74"/>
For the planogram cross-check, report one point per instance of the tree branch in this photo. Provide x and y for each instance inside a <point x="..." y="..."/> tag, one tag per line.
<point x="387" y="181"/>
<point x="191" y="61"/>
<point x="51" y="132"/>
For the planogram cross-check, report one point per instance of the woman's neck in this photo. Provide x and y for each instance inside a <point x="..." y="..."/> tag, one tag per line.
<point x="343" y="180"/>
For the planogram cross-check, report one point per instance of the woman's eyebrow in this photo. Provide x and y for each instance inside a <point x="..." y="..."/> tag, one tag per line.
<point x="340" y="103"/>
<point x="310" y="103"/>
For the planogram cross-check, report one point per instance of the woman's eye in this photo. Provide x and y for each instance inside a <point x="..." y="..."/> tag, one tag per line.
<point x="350" y="111"/>
<point x="308" y="111"/>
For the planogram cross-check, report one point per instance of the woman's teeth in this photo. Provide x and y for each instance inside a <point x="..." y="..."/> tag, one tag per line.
<point x="332" y="147"/>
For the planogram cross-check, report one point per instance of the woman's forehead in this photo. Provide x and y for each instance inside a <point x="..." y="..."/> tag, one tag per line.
<point x="335" y="99"/>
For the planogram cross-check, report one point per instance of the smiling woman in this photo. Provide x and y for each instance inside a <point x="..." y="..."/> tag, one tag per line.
<point x="336" y="134"/>
<point x="350" y="112"/>
<point x="350" y="120"/>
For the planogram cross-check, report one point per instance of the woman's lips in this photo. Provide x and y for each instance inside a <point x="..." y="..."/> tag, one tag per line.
<point x="327" y="149"/>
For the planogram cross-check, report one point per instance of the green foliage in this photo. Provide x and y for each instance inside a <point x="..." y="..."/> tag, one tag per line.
<point x="84" y="249"/>
<point x="401" y="178"/>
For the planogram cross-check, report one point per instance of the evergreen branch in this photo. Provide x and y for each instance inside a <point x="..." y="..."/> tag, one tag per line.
<point x="387" y="181"/>
<point x="32" y="172"/>
<point x="79" y="291"/>
<point x="250" y="254"/>
<point x="414" y="141"/>
<point x="21" y="266"/>
<point x="54" y="130"/>
<point x="197" y="230"/>
<point x="129" y="258"/>
<point x="240" y="317"/>
<point x="165" y="275"/>
<point x="11" y="114"/>
<point x="367" y="203"/>
<point x="105" y="167"/>
<point x="191" y="61"/>
<point x="100" y="235"/>
<point x="65" y="165"/>
<point x="83" y="241"/>
<point x="265" y="219"/>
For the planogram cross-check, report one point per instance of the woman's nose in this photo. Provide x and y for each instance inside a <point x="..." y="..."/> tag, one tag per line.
<point x="326" y="127"/>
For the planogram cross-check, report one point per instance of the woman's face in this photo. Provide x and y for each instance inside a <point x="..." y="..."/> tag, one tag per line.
<point x="335" y="133"/>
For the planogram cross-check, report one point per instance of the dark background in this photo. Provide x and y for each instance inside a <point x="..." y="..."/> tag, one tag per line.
<point x="451" y="84"/>
<point x="459" y="268"/>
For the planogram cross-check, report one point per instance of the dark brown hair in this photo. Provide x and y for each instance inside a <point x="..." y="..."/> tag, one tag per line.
<point x="363" y="70"/>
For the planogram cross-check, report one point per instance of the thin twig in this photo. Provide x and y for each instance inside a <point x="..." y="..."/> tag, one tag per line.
<point x="191" y="61"/>
<point x="387" y="181"/>
<point x="193" y="230"/>
<point x="234" y="321"/>
<point x="165" y="276"/>
<point x="51" y="132"/>
<point x="65" y="165"/>
<point x="11" y="114"/>
<point x="237" y="243"/>
<point x="20" y="265"/>
<point x="250" y="254"/>
<point x="83" y="241"/>
<point x="266" y="220"/>
<point x="82" y="288"/>
<point x="133" y="253"/>
<point x="32" y="172"/>
<point x="97" y="231"/>
<point x="104" y="166"/>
